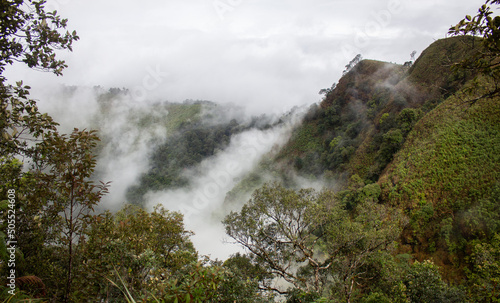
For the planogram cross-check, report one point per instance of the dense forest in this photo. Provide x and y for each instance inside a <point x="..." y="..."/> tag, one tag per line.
<point x="408" y="156"/>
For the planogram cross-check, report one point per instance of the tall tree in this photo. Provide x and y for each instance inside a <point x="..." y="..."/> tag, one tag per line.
<point x="310" y="239"/>
<point x="70" y="164"/>
<point x="146" y="249"/>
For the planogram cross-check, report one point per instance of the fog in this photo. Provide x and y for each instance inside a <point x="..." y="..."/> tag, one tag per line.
<point x="261" y="55"/>
<point x="127" y="143"/>
<point x="202" y="203"/>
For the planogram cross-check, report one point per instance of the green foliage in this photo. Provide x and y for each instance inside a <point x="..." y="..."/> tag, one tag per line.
<point x="70" y="164"/>
<point x="197" y="286"/>
<point x="407" y="119"/>
<point x="341" y="135"/>
<point x="31" y="35"/>
<point x="312" y="240"/>
<point x="272" y="225"/>
<point x="140" y="247"/>
<point x="376" y="298"/>
<point x="484" y="61"/>
<point x="20" y="117"/>
<point x="391" y="143"/>
<point x="484" y="275"/>
<point x="424" y="284"/>
<point x="182" y="150"/>
<point x="445" y="176"/>
<point x="359" y="193"/>
<point x="241" y="284"/>
<point x="297" y="296"/>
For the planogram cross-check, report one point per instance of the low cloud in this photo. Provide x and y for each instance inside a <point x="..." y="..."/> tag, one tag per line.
<point x="203" y="202"/>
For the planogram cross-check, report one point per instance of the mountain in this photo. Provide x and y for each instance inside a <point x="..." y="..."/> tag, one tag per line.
<point x="411" y="131"/>
<point x="407" y="129"/>
<point x="404" y="162"/>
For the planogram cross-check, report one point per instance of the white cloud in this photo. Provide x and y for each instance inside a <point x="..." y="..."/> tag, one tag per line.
<point x="269" y="54"/>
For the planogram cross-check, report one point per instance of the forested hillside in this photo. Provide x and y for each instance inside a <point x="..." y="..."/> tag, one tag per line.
<point x="405" y="161"/>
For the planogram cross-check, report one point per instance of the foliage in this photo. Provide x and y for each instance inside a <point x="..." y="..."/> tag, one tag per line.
<point x="21" y="123"/>
<point x="424" y="284"/>
<point x="140" y="247"/>
<point x="70" y="164"/>
<point x="310" y="239"/>
<point x="484" y="61"/>
<point x="180" y="152"/>
<point x="243" y="273"/>
<point x="446" y="175"/>
<point x="31" y="35"/>
<point x="484" y="275"/>
<point x="275" y="226"/>
<point x="437" y="158"/>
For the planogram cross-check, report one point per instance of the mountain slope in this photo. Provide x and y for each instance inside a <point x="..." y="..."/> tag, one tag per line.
<point x="447" y="178"/>
<point x="360" y="124"/>
<point x="411" y="131"/>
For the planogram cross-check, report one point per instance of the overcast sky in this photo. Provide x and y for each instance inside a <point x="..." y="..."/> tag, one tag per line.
<point x="269" y="54"/>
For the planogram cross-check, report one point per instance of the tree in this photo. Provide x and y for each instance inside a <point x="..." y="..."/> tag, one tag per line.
<point x="327" y="91"/>
<point x="484" y="274"/>
<point x="424" y="284"/>
<point x="412" y="59"/>
<point x="352" y="64"/>
<point x="277" y="227"/>
<point x="70" y="164"/>
<point x="242" y="278"/>
<point x="146" y="249"/>
<point x="310" y="239"/>
<point x="31" y="35"/>
<point x="485" y="60"/>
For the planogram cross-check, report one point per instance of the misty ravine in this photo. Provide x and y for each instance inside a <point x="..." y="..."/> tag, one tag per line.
<point x="131" y="131"/>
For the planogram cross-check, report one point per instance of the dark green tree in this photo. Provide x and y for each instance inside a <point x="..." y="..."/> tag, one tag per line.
<point x="424" y="284"/>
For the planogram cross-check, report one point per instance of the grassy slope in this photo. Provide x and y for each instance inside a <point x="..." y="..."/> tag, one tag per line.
<point x="179" y="114"/>
<point x="453" y="153"/>
<point x="448" y="165"/>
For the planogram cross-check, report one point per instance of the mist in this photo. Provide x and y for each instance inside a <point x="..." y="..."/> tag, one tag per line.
<point x="203" y="202"/>
<point x="127" y="142"/>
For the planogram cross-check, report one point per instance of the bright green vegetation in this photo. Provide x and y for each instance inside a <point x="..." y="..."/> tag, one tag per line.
<point x="366" y="118"/>
<point x="180" y="114"/>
